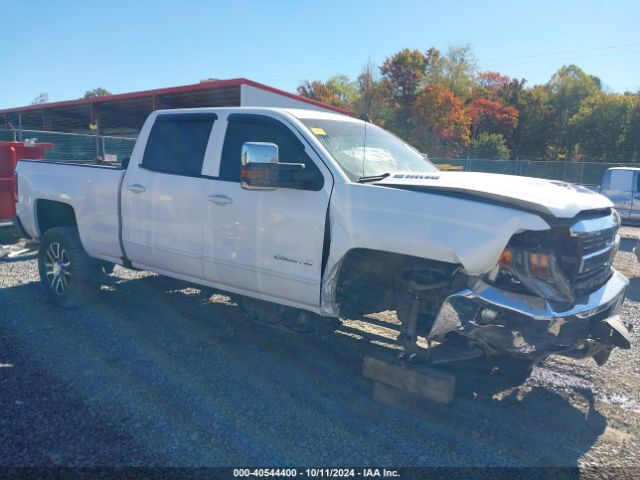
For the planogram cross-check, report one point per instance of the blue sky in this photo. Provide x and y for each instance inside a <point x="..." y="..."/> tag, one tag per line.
<point x="66" y="47"/>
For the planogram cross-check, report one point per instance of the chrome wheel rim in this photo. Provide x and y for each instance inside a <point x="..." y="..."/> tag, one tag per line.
<point x="56" y="262"/>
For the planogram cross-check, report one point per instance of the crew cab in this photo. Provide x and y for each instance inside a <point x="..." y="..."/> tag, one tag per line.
<point x="308" y="216"/>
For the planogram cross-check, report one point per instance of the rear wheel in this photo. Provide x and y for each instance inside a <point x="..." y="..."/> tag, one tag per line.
<point x="70" y="277"/>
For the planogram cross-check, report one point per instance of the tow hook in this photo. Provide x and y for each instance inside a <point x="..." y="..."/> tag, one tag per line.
<point x="614" y="331"/>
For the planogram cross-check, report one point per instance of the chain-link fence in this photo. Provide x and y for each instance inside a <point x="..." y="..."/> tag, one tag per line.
<point x="72" y="147"/>
<point x="573" y="172"/>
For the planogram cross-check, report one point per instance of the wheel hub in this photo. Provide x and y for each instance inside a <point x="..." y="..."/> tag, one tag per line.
<point x="57" y="265"/>
<point x="57" y="268"/>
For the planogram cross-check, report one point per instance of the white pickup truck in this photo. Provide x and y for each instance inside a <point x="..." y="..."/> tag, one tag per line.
<point x="328" y="216"/>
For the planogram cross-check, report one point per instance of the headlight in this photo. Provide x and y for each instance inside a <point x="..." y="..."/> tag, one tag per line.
<point x="537" y="271"/>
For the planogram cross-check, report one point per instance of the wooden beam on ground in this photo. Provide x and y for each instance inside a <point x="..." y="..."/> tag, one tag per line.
<point x="422" y="381"/>
<point x="410" y="402"/>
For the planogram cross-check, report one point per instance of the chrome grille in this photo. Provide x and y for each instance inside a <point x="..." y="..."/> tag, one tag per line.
<point x="596" y="242"/>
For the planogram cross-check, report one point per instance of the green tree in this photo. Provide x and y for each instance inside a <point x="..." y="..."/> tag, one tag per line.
<point x="456" y="70"/>
<point x="631" y="134"/>
<point x="344" y="88"/>
<point x="600" y="124"/>
<point x="567" y="88"/>
<point x="459" y="70"/>
<point x="97" y="92"/>
<point x="530" y="139"/>
<point x="490" y="146"/>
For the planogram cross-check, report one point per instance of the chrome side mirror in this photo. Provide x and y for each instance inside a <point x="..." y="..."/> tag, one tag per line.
<point x="261" y="170"/>
<point x="256" y="169"/>
<point x="259" y="152"/>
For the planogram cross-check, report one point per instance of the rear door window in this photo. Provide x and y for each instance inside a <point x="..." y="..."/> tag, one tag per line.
<point x="177" y="143"/>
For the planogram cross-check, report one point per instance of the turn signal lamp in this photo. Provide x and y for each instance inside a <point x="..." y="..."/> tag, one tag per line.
<point x="539" y="264"/>
<point x="504" y="262"/>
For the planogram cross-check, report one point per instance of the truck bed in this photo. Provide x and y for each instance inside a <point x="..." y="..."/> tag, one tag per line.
<point x="92" y="190"/>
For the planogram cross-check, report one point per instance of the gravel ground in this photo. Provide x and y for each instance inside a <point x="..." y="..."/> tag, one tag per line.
<point x="159" y="373"/>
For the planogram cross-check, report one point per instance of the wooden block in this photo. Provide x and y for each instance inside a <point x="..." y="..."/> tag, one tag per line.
<point x="409" y="402"/>
<point x="425" y="382"/>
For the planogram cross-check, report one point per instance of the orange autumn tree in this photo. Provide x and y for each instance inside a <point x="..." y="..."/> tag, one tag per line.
<point x="442" y="125"/>
<point x="492" y="116"/>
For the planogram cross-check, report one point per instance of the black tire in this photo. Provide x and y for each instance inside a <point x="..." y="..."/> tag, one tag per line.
<point x="69" y="276"/>
<point x="326" y="326"/>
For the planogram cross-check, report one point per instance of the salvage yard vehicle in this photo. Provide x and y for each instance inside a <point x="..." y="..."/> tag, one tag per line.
<point x="622" y="186"/>
<point x="329" y="216"/>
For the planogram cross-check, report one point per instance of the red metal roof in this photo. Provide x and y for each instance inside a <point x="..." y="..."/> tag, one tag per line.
<point x="196" y="87"/>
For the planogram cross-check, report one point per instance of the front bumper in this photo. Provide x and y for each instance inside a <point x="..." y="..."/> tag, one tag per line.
<point x="526" y="326"/>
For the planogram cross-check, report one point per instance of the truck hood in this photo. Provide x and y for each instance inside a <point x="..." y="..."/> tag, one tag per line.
<point x="546" y="197"/>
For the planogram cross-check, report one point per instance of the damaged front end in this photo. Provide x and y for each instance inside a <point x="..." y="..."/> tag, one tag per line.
<point x="529" y="327"/>
<point x="551" y="293"/>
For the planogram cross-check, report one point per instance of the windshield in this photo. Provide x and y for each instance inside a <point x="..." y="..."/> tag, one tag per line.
<point x="363" y="149"/>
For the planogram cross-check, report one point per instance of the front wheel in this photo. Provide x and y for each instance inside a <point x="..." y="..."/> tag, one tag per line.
<point x="69" y="276"/>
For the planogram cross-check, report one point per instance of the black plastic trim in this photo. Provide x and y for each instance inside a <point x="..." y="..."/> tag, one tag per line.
<point x="483" y="197"/>
<point x="326" y="241"/>
<point x="501" y="201"/>
<point x="19" y="229"/>
<point x="188" y="117"/>
<point x="77" y="164"/>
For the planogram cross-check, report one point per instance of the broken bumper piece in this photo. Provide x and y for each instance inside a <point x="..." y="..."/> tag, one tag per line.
<point x="529" y="327"/>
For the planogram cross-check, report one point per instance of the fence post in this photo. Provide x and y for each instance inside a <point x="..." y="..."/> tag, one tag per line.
<point x="520" y="167"/>
<point x="581" y="171"/>
<point x="97" y="133"/>
<point x="521" y="162"/>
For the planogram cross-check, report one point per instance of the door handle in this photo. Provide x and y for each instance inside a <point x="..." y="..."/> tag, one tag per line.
<point x="221" y="200"/>
<point x="136" y="188"/>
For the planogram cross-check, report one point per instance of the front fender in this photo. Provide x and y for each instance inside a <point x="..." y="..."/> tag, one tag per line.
<point x="423" y="225"/>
